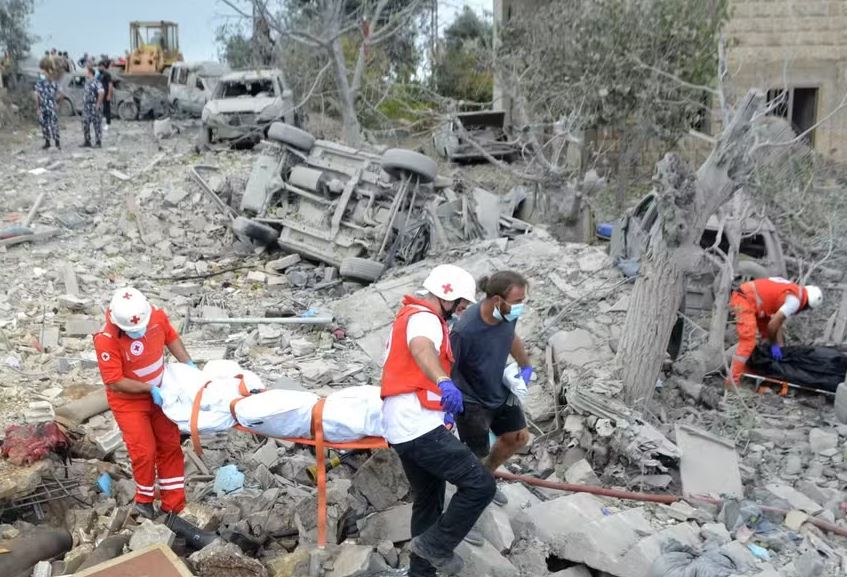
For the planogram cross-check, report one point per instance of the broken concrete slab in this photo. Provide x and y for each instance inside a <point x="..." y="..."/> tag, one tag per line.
<point x="156" y="560"/>
<point x="393" y="524"/>
<point x="82" y="326"/>
<point x="353" y="560"/>
<point x="708" y="465"/>
<point x="221" y="559"/>
<point x="822" y="441"/>
<point x="794" y="498"/>
<point x="381" y="479"/>
<point x="150" y="533"/>
<point x="267" y="454"/>
<point x="579" y="348"/>
<point x="280" y="264"/>
<point x="496" y="527"/>
<point x="575" y="571"/>
<point x="484" y="560"/>
<point x="39" y="412"/>
<point x="175" y="196"/>
<point x="581" y="473"/>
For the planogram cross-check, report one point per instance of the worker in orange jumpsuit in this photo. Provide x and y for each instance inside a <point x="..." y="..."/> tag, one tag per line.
<point x="130" y="354"/>
<point x="764" y="304"/>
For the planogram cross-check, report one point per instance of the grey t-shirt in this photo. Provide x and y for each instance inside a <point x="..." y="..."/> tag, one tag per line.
<point x="481" y="352"/>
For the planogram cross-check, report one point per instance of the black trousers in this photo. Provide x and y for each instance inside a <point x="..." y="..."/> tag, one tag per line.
<point x="431" y="461"/>
<point x="107" y="111"/>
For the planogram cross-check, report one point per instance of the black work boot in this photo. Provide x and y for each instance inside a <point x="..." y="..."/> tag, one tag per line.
<point x="98" y="145"/>
<point x="146" y="510"/>
<point x="86" y="144"/>
<point x="58" y="146"/>
<point x="451" y="565"/>
<point x="46" y="145"/>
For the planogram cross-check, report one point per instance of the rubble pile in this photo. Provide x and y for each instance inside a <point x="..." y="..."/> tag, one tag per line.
<point x="132" y="214"/>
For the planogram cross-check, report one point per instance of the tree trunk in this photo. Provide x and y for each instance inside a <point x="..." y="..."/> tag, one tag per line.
<point x="723" y="286"/>
<point x="352" y="130"/>
<point x="652" y="313"/>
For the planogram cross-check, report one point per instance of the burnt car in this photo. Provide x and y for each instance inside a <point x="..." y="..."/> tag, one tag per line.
<point x="129" y="102"/>
<point x="760" y="252"/>
<point x="245" y="103"/>
<point x="486" y="128"/>
<point x="355" y="210"/>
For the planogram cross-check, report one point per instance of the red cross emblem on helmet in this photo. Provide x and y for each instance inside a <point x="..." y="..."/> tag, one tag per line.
<point x="135" y="319"/>
<point x="127" y="295"/>
<point x="448" y="288"/>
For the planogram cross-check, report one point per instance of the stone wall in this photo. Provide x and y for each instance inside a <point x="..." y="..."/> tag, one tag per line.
<point x="799" y="44"/>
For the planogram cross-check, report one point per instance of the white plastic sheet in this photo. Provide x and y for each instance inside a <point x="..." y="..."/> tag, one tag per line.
<point x="513" y="381"/>
<point x="353" y="413"/>
<point x="278" y="413"/>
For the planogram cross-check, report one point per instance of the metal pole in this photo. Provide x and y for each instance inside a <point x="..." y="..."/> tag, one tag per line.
<point x="264" y="320"/>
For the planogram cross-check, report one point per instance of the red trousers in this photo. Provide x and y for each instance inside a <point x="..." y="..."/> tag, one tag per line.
<point x="747" y="324"/>
<point x="152" y="441"/>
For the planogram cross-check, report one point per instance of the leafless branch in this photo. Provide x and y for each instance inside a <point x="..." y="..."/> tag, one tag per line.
<point x="675" y="78"/>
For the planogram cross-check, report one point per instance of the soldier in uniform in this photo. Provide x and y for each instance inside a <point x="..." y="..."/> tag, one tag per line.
<point x="92" y="105"/>
<point x="46" y="94"/>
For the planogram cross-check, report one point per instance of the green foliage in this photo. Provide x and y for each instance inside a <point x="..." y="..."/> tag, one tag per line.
<point x="593" y="60"/>
<point x="464" y="70"/>
<point x="15" y="39"/>
<point x="233" y="46"/>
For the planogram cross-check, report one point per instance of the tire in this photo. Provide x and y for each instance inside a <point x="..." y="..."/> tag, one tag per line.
<point x="361" y="269"/>
<point x="66" y="108"/>
<point x="398" y="162"/>
<point x="127" y="110"/>
<point x="750" y="269"/>
<point x="258" y="232"/>
<point x="291" y="135"/>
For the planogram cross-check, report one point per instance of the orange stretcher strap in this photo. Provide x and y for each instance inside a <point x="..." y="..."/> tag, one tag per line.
<point x="316" y="441"/>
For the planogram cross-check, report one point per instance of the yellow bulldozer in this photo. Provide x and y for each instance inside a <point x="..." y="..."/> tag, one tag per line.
<point x="154" y="47"/>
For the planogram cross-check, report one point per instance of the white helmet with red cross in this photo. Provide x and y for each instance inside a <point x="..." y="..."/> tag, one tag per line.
<point x="129" y="309"/>
<point x="450" y="282"/>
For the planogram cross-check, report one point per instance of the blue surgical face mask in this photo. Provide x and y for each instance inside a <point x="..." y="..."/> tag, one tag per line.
<point x="514" y="313"/>
<point x="136" y="334"/>
<point x="42" y="76"/>
<point x="96" y="74"/>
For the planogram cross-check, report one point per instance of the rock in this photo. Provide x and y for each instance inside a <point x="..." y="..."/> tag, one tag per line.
<point x="795" y="519"/>
<point x="716" y="533"/>
<point x="652" y="481"/>
<point x="392" y="525"/>
<point x="302" y="346"/>
<point x="175" y="196"/>
<point x="150" y="533"/>
<point x="381" y="480"/>
<point x="76" y="557"/>
<point x="485" y="560"/>
<point x="809" y="564"/>
<point x="740" y="555"/>
<point x="164" y="128"/>
<point x="290" y="564"/>
<point x="280" y="264"/>
<point x="81" y="326"/>
<point x="42" y="569"/>
<point x="202" y="515"/>
<point x="267" y="455"/>
<point x="795" y="499"/>
<point x="39" y="412"/>
<point x="822" y="441"/>
<point x="257" y="276"/>
<point x="496" y="527"/>
<point x="578" y="348"/>
<point x="581" y="473"/>
<point x="352" y="560"/>
<point x="793" y="465"/>
<point x="389" y="553"/>
<point x="221" y="559"/>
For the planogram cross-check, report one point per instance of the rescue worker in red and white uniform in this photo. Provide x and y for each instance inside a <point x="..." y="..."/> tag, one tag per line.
<point x="764" y="304"/>
<point x="130" y="354"/>
<point x="419" y="396"/>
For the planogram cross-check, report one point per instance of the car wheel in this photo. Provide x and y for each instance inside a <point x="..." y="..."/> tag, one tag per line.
<point x="361" y="269"/>
<point x="66" y="107"/>
<point x="252" y="230"/>
<point x="291" y="135"/>
<point x="127" y="110"/>
<point x="398" y="162"/>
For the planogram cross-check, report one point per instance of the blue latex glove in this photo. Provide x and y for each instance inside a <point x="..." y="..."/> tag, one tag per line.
<point x="776" y="352"/>
<point x="156" y="393"/>
<point x="526" y="374"/>
<point x="190" y="363"/>
<point x="449" y="420"/>
<point x="451" y="398"/>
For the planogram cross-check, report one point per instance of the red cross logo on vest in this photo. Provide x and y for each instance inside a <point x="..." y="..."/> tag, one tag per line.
<point x="134" y="320"/>
<point x="127" y="296"/>
<point x="447" y="288"/>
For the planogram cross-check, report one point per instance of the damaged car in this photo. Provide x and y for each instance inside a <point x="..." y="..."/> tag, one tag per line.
<point x="760" y="251"/>
<point x="354" y="210"/>
<point x="486" y="129"/>
<point x="129" y="101"/>
<point x="244" y="104"/>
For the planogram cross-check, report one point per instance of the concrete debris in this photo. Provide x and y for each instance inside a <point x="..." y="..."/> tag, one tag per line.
<point x="221" y="559"/>
<point x="39" y="412"/>
<point x="709" y="465"/>
<point x="381" y="480"/>
<point x="485" y="560"/>
<point x="150" y="533"/>
<point x="823" y="442"/>
<point x="581" y="473"/>
<point x="794" y="498"/>
<point x="354" y="560"/>
<point x="392" y="525"/>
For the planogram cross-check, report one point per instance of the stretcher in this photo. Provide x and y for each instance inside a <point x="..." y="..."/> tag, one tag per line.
<point x="764" y="383"/>
<point x="317" y="441"/>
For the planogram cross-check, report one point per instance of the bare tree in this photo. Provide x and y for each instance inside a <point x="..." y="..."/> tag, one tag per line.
<point x="325" y="24"/>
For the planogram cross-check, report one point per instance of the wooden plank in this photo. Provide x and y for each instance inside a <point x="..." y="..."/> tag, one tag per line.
<point x="153" y="561"/>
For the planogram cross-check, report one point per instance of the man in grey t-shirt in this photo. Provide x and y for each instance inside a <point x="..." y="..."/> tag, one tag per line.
<point x="482" y="340"/>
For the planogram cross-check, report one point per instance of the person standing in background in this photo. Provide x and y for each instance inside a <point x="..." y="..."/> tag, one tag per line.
<point x="46" y="95"/>
<point x="92" y="102"/>
<point x="108" y="89"/>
